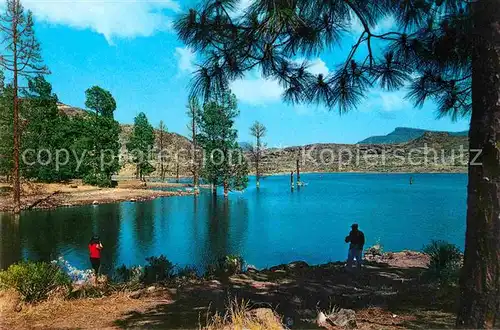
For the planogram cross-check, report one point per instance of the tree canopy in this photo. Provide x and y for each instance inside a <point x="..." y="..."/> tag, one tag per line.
<point x="100" y="100"/>
<point x="141" y="142"/>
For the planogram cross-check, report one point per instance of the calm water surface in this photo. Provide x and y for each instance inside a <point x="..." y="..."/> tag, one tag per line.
<point x="267" y="227"/>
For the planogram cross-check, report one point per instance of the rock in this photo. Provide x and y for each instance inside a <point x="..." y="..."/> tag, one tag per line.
<point x="151" y="289"/>
<point x="266" y="316"/>
<point x="95" y="202"/>
<point x="280" y="268"/>
<point x="73" y="186"/>
<point x="18" y="308"/>
<point x="345" y="318"/>
<point x="321" y="319"/>
<point x="133" y="200"/>
<point x="252" y="268"/>
<point x="298" y="265"/>
<point x="136" y="294"/>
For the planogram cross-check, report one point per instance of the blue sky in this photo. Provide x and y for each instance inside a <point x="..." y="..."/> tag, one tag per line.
<point x="130" y="48"/>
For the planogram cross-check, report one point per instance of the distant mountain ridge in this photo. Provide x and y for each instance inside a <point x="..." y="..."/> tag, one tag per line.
<point x="403" y="135"/>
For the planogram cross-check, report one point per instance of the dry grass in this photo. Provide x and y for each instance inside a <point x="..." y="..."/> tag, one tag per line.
<point x="57" y="313"/>
<point x="239" y="316"/>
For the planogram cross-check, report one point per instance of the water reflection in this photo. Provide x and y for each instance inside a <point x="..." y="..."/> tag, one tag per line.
<point x="10" y="241"/>
<point x="266" y="227"/>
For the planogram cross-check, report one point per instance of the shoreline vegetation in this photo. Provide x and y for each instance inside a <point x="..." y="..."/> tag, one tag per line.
<point x="392" y="291"/>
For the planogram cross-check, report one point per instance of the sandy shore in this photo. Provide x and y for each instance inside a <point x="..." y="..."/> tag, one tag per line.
<point x="45" y="196"/>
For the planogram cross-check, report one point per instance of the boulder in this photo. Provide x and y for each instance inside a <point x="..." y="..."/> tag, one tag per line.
<point x="321" y="319"/>
<point x="151" y="289"/>
<point x="136" y="294"/>
<point x="267" y="317"/>
<point x="298" y="265"/>
<point x="345" y="318"/>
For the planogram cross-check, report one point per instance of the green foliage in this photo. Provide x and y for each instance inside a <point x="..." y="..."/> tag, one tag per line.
<point x="45" y="133"/>
<point x="124" y="274"/>
<point x="445" y="261"/>
<point x="158" y="269"/>
<point x="101" y="101"/>
<point x="217" y="136"/>
<point x="101" y="139"/>
<point x="226" y="266"/>
<point x="141" y="142"/>
<point x="6" y="129"/>
<point x="188" y="272"/>
<point x="34" y="280"/>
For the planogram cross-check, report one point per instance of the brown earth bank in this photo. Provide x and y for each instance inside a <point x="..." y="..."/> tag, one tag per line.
<point x="53" y="195"/>
<point x="391" y="293"/>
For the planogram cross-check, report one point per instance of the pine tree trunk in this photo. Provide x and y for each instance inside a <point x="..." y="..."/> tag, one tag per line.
<point x="15" y="172"/>
<point x="177" y="172"/>
<point x="480" y="277"/>
<point x="195" y="161"/>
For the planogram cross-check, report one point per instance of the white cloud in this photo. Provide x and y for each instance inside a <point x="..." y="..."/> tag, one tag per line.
<point x="315" y="66"/>
<point x="112" y="19"/>
<point x="256" y="90"/>
<point x="185" y="60"/>
<point x="379" y="100"/>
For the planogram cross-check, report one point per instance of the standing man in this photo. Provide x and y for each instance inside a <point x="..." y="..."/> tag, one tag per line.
<point x="357" y="240"/>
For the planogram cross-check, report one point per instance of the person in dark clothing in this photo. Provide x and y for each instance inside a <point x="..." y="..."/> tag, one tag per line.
<point x="356" y="239"/>
<point x="95" y="247"/>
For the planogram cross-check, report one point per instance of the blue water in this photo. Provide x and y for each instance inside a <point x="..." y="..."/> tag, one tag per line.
<point x="269" y="226"/>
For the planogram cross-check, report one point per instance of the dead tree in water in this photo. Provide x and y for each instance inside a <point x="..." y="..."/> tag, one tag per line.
<point x="298" y="173"/>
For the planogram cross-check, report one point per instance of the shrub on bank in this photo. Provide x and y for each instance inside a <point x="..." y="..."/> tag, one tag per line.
<point x="445" y="261"/>
<point x="158" y="269"/>
<point x="124" y="274"/>
<point x="226" y="266"/>
<point x="34" y="280"/>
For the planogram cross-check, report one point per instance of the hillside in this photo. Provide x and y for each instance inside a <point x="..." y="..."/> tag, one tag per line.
<point x="402" y="135"/>
<point x="405" y="156"/>
<point x="443" y="155"/>
<point x="173" y="141"/>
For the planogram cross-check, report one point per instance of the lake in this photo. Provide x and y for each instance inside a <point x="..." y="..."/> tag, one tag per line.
<point x="267" y="227"/>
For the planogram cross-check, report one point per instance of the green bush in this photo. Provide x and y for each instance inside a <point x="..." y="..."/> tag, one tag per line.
<point x="227" y="266"/>
<point x="158" y="269"/>
<point x="124" y="274"/>
<point x="99" y="180"/>
<point x="445" y="261"/>
<point x="188" y="272"/>
<point x="34" y="280"/>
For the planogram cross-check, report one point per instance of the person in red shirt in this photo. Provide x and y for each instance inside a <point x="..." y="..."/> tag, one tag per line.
<point x="95" y="247"/>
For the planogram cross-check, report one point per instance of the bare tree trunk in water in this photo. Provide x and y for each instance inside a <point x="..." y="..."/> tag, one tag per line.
<point x="226" y="189"/>
<point x="298" y="173"/>
<point x="480" y="277"/>
<point x="214" y="189"/>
